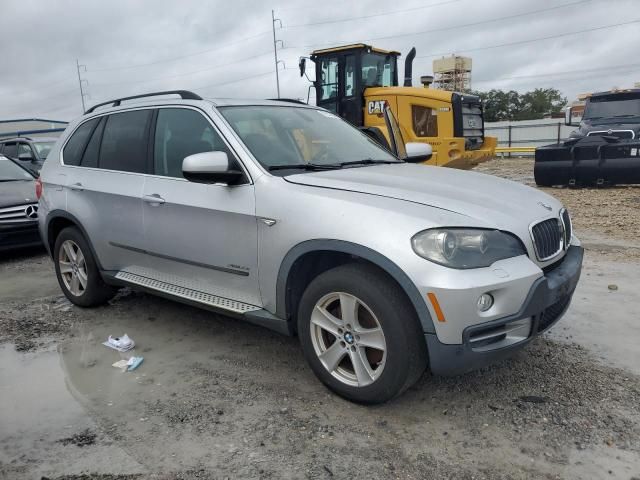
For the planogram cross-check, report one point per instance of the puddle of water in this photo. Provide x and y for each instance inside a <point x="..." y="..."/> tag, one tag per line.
<point x="37" y="411"/>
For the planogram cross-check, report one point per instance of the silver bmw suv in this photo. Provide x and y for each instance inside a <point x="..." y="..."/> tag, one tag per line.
<point x="286" y="216"/>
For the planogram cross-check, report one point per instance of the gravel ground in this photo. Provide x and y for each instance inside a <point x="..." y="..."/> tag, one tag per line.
<point x="217" y="398"/>
<point x="609" y="216"/>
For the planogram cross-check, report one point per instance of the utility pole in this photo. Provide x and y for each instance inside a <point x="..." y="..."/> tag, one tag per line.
<point x="80" y="80"/>
<point x="275" y="48"/>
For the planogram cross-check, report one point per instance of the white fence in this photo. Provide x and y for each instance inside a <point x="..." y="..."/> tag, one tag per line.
<point x="528" y="133"/>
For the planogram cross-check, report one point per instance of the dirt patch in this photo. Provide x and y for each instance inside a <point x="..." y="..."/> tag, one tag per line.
<point x="36" y="323"/>
<point x="82" y="439"/>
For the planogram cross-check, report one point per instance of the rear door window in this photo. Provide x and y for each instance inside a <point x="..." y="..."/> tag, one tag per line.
<point x="181" y="132"/>
<point x="73" y="150"/>
<point x="124" y="142"/>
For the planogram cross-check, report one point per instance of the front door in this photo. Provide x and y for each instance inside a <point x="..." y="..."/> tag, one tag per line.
<point x="198" y="236"/>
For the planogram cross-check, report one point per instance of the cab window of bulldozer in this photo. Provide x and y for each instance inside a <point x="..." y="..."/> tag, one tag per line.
<point x="329" y="80"/>
<point x="424" y="121"/>
<point x="349" y="76"/>
<point x="378" y="70"/>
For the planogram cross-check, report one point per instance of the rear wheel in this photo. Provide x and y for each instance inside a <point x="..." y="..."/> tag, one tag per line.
<point x="360" y="335"/>
<point x="77" y="271"/>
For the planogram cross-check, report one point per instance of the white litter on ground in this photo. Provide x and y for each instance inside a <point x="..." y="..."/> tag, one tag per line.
<point x="121" y="344"/>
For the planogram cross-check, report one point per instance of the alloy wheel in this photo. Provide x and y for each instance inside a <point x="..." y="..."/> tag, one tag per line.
<point x="73" y="268"/>
<point x="348" y="339"/>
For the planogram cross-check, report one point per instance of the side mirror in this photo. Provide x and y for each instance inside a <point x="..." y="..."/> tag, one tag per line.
<point x="26" y="157"/>
<point x="302" y="64"/>
<point x="568" y="117"/>
<point x="418" y="152"/>
<point x="210" y="167"/>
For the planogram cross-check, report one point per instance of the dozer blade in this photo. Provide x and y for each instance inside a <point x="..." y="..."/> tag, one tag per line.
<point x="589" y="161"/>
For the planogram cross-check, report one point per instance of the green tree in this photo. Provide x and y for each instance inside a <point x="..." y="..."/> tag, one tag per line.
<point x="510" y="105"/>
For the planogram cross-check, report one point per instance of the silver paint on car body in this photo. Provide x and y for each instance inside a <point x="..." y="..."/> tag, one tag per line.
<point x="186" y="239"/>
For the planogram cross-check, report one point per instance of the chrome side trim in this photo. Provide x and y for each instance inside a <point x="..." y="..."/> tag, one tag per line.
<point x="187" y="293"/>
<point x="234" y="271"/>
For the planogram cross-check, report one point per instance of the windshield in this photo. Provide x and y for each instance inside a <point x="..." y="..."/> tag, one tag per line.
<point x="10" y="172"/>
<point x="43" y="148"/>
<point x="278" y="136"/>
<point x="619" y="105"/>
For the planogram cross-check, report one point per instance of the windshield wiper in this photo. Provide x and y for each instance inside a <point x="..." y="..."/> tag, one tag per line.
<point x="369" y="161"/>
<point x="305" y="166"/>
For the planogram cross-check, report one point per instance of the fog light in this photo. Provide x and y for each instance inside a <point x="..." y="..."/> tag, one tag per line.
<point x="485" y="302"/>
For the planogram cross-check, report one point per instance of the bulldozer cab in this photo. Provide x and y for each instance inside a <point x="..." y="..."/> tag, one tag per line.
<point x="343" y="74"/>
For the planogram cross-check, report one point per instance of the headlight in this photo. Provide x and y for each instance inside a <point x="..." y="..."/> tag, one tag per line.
<point x="466" y="247"/>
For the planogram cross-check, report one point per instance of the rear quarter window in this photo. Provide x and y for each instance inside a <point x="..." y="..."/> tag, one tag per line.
<point x="73" y="150"/>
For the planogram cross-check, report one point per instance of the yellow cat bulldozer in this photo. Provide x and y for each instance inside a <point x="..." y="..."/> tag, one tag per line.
<point x="357" y="82"/>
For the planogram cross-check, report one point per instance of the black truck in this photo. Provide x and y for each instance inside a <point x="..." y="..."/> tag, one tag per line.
<point x="604" y="150"/>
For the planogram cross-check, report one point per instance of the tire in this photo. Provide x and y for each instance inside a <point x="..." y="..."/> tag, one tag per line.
<point x="74" y="261"/>
<point x="383" y="318"/>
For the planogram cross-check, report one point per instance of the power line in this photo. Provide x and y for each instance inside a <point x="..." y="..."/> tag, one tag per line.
<point x="451" y="27"/>
<point x="520" y="42"/>
<point x="194" y="72"/>
<point x="630" y="67"/>
<point x="218" y="47"/>
<point x="270" y="72"/>
<point x="25" y="92"/>
<point x="351" y="19"/>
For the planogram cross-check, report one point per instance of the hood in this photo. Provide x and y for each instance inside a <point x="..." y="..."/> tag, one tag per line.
<point x="493" y="202"/>
<point x="17" y="193"/>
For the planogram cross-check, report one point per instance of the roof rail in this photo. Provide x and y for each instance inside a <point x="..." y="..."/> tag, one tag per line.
<point x="184" y="94"/>
<point x="15" y="138"/>
<point x="290" y="100"/>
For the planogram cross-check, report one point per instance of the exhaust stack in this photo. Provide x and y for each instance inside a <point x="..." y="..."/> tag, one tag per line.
<point x="408" y="67"/>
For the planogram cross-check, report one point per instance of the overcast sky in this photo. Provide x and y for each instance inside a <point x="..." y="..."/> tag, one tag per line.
<point x="222" y="48"/>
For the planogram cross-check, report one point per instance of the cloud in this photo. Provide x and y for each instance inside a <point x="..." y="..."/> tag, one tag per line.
<point x="225" y="49"/>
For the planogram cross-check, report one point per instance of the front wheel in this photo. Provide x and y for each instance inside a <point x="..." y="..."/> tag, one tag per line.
<point x="360" y="335"/>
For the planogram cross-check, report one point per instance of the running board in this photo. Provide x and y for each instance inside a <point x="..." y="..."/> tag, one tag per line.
<point x="195" y="296"/>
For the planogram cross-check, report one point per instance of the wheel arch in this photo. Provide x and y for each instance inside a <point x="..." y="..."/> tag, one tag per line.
<point x="308" y="259"/>
<point x="58" y="220"/>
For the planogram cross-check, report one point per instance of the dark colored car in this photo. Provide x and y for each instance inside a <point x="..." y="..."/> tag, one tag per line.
<point x="18" y="206"/>
<point x="29" y="152"/>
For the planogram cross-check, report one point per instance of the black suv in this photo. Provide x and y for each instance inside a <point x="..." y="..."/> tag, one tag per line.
<point x="30" y="152"/>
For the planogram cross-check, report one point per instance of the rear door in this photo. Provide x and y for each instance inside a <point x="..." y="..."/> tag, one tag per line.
<point x="198" y="236"/>
<point x="106" y="160"/>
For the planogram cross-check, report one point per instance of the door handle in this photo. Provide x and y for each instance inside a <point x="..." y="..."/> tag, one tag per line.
<point x="153" y="199"/>
<point x="76" y="186"/>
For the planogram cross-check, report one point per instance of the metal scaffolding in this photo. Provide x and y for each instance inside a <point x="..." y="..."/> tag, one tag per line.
<point x="452" y="73"/>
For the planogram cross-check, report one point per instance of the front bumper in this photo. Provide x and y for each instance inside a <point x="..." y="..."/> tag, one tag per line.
<point x="485" y="343"/>
<point x="19" y="235"/>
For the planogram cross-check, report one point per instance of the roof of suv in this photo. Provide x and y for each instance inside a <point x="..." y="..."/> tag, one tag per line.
<point x="188" y="98"/>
